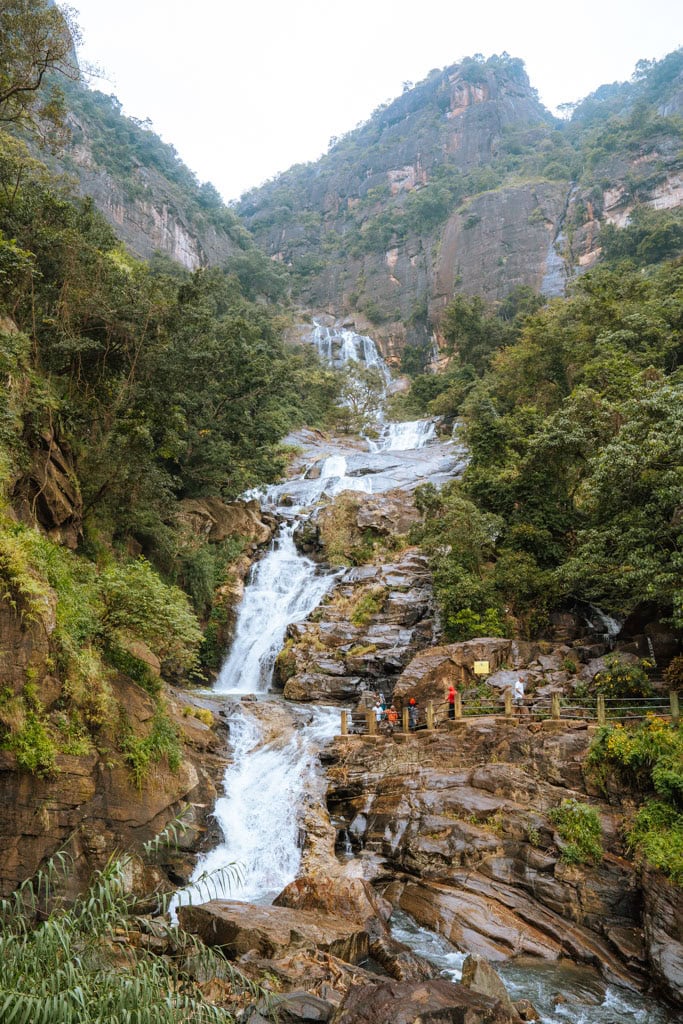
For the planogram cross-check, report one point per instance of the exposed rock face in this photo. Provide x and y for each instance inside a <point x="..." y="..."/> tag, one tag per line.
<point x="26" y="646"/>
<point x="217" y="520"/>
<point x="461" y="821"/>
<point x="390" y="245"/>
<point x="408" y="1003"/>
<point x="663" y="921"/>
<point x="273" y="932"/>
<point x="375" y="621"/>
<point x="153" y="205"/>
<point x="49" y="494"/>
<point x="92" y="803"/>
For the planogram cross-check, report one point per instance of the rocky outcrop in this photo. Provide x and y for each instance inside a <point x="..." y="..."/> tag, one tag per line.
<point x="663" y="923"/>
<point x="461" y="821"/>
<point x="273" y="932"/>
<point x="90" y="804"/>
<point x="25" y="647"/>
<point x="216" y="520"/>
<point x="429" y="1001"/>
<point x="48" y="494"/>
<point x="361" y="638"/>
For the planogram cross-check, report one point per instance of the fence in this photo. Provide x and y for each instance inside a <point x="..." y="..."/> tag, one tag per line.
<point x="599" y="709"/>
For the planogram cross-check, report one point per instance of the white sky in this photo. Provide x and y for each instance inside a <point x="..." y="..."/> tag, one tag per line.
<point x="245" y="90"/>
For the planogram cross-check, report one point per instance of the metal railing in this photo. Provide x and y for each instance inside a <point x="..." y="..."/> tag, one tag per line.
<point x="440" y="715"/>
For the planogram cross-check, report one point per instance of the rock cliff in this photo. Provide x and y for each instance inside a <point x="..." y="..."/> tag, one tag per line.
<point x="467" y="184"/>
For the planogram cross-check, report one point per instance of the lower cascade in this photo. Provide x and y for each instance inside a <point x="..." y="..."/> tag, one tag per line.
<point x="274" y="777"/>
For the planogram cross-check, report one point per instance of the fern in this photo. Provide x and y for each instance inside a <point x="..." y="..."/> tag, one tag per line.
<point x="80" y="965"/>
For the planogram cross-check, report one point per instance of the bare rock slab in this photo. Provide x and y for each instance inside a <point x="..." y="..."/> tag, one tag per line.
<point x="272" y="932"/>
<point x="428" y="1002"/>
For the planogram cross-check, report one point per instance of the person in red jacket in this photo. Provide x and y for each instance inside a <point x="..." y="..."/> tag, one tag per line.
<point x="451" y="701"/>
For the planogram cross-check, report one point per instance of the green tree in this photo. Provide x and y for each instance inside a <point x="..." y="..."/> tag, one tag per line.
<point x="37" y="43"/>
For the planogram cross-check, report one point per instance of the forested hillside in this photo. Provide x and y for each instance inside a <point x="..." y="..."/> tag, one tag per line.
<point x="467" y="185"/>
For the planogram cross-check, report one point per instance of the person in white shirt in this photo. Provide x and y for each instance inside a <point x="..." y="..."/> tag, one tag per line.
<point x="518" y="692"/>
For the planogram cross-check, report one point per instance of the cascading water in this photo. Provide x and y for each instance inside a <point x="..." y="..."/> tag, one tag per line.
<point x="263" y="786"/>
<point x="410" y="436"/>
<point x="285" y="587"/>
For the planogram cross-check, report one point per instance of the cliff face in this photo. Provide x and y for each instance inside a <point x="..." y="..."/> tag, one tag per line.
<point x="150" y="198"/>
<point x="467" y="184"/>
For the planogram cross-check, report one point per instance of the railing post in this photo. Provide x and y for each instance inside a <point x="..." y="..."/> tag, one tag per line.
<point x="508" y="703"/>
<point x="430" y="714"/>
<point x="344" y="724"/>
<point x="405" y="723"/>
<point x="458" y="704"/>
<point x="555" y="706"/>
<point x="372" y="722"/>
<point x="675" y="711"/>
<point x="602" y="717"/>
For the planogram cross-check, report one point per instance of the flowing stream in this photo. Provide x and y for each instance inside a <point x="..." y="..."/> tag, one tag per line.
<point x="274" y="773"/>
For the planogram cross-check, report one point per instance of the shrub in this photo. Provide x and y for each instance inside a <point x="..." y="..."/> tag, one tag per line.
<point x="578" y="825"/>
<point x="650" y="759"/>
<point x="368" y="605"/>
<point x="81" y="963"/>
<point x="657" y="835"/>
<point x="623" y="679"/>
<point x="673" y="673"/>
<point x="138" y="602"/>
<point x="141" y="752"/>
<point x="467" y="624"/>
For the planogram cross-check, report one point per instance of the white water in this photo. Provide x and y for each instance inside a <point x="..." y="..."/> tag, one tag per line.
<point x="410" y="436"/>
<point x="284" y="587"/>
<point x="264" y="789"/>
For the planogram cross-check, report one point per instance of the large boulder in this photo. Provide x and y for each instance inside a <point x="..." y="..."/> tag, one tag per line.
<point x="354" y="899"/>
<point x="426" y="1002"/>
<point x="273" y="932"/>
<point x="430" y="673"/>
<point x="479" y="976"/>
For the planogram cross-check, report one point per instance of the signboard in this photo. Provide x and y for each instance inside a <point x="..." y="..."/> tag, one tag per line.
<point x="481" y="668"/>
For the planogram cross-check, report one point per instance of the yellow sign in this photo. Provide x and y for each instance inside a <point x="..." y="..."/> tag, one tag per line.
<point x="481" y="668"/>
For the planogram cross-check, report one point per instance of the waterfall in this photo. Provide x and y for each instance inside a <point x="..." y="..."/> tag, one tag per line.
<point x="284" y="587"/>
<point x="262" y="789"/>
<point x="409" y="436"/>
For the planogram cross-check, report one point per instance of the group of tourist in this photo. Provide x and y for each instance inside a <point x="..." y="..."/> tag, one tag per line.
<point x="387" y="717"/>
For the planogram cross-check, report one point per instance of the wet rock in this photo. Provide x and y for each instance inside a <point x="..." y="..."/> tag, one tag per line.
<point x="354" y="899"/>
<point x="410" y="1003"/>
<point x="273" y="932"/>
<point x="526" y="1010"/>
<point x="399" y="961"/>
<point x="663" y="923"/>
<point x="479" y="976"/>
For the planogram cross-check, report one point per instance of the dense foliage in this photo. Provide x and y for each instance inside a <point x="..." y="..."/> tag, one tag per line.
<point x="649" y="760"/>
<point x="575" y="478"/>
<point x="89" y="962"/>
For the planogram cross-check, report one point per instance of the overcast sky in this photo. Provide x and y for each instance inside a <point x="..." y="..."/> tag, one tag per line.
<point x="243" y="91"/>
